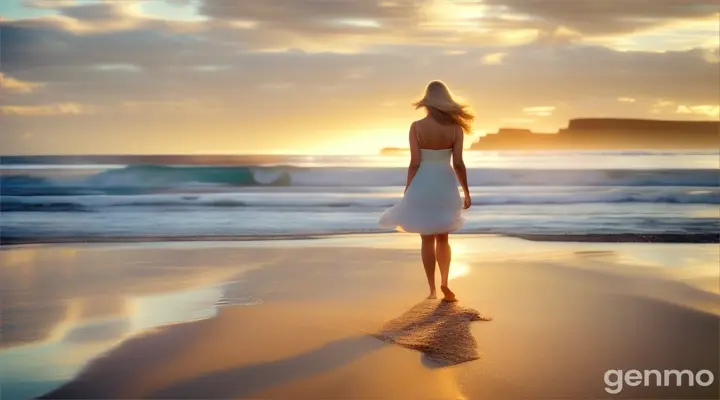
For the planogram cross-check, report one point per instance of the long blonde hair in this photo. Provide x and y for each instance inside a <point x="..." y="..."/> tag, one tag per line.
<point x="439" y="103"/>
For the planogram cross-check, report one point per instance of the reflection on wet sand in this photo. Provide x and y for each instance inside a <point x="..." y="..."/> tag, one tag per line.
<point x="63" y="306"/>
<point x="326" y="279"/>
<point x="219" y="358"/>
<point x="45" y="291"/>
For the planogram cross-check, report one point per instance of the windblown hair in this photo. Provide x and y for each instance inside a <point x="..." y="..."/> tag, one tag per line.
<point x="440" y="105"/>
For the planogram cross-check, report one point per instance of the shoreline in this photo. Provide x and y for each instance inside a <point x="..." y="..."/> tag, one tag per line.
<point x="660" y="238"/>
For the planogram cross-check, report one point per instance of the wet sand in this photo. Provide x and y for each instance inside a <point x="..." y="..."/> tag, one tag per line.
<point x="300" y="320"/>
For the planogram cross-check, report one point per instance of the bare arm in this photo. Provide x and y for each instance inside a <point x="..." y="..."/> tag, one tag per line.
<point x="414" y="156"/>
<point x="459" y="165"/>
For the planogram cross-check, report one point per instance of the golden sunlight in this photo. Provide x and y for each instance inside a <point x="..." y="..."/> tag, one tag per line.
<point x="361" y="142"/>
<point x="461" y="254"/>
<point x="457" y="13"/>
<point x="458" y="270"/>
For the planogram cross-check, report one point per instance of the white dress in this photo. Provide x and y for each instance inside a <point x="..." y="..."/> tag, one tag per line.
<point x="432" y="204"/>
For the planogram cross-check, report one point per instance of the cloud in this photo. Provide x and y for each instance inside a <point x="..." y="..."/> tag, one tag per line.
<point x="92" y="17"/>
<point x="663" y="106"/>
<point x="26" y="45"/>
<point x="357" y="25"/>
<point x="317" y="25"/>
<point x="152" y="62"/>
<point x="47" y="4"/>
<point x="541" y="111"/>
<point x="102" y="17"/>
<point x="310" y="12"/>
<point x="712" y="55"/>
<point x="605" y="17"/>
<point x="166" y="105"/>
<point x="519" y="120"/>
<point x="318" y="67"/>
<point x="97" y="12"/>
<point x="685" y="110"/>
<point x="705" y="110"/>
<point x="155" y="65"/>
<point x="45" y="110"/>
<point x="493" y="59"/>
<point x="676" y="35"/>
<point x="12" y="85"/>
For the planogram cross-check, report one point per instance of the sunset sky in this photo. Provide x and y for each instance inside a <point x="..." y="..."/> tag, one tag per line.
<point x="337" y="76"/>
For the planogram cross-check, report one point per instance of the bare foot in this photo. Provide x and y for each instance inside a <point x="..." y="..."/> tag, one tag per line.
<point x="432" y="295"/>
<point x="449" y="295"/>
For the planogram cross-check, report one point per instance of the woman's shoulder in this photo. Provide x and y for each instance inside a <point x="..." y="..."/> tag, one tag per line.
<point x="420" y="121"/>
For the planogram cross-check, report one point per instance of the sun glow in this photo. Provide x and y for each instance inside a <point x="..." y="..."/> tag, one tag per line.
<point x="461" y="255"/>
<point x="455" y="13"/>
<point x="360" y="142"/>
<point x="458" y="270"/>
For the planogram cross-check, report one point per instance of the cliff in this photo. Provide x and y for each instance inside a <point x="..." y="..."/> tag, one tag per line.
<point x="641" y="125"/>
<point x="609" y="134"/>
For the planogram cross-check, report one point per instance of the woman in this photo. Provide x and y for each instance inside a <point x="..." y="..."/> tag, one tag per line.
<point x="431" y="205"/>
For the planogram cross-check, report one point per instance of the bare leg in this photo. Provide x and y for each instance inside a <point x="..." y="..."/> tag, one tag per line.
<point x="444" y="256"/>
<point x="428" y="259"/>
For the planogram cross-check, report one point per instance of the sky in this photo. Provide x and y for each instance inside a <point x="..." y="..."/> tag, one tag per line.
<point x="337" y="76"/>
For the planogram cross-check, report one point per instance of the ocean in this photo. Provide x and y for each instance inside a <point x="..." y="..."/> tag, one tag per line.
<point x="602" y="193"/>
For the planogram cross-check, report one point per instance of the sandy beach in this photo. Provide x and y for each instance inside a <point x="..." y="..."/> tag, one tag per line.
<point x="300" y="319"/>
